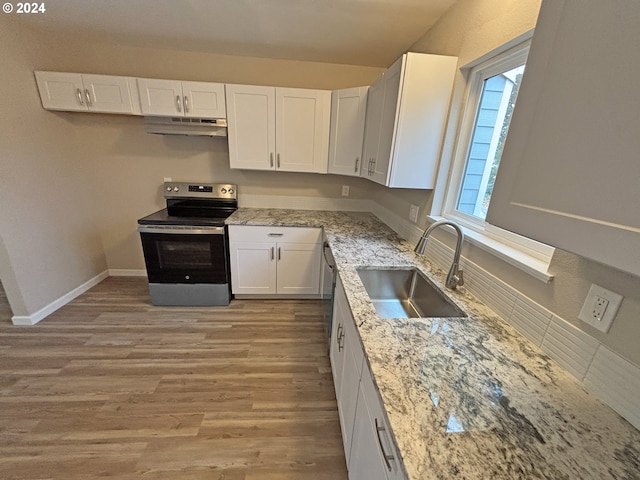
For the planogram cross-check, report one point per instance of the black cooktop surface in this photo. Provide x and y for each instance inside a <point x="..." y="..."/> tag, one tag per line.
<point x="162" y="217"/>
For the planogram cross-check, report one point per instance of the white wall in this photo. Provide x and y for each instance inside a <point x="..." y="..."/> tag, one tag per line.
<point x="51" y="243"/>
<point x="470" y="29"/>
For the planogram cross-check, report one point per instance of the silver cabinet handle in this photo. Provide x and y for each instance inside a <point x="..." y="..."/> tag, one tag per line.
<point x="385" y="455"/>
<point x="278" y="157"/>
<point x="339" y="336"/>
<point x="186" y="104"/>
<point x="86" y="94"/>
<point x="275" y="234"/>
<point x="79" y="93"/>
<point x="373" y="166"/>
<point x="271" y="159"/>
<point x="279" y="253"/>
<point x="178" y="103"/>
<point x="272" y="252"/>
<point x="357" y="162"/>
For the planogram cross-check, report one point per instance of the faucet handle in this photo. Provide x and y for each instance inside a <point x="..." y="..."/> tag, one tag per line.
<point x="460" y="278"/>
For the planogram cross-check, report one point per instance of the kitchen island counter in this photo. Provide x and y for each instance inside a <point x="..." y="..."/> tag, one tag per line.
<point x="468" y="398"/>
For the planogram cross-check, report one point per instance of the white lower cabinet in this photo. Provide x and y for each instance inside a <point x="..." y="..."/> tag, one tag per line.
<point x="368" y="446"/>
<point x="373" y="455"/>
<point x="275" y="260"/>
<point x="346" y="364"/>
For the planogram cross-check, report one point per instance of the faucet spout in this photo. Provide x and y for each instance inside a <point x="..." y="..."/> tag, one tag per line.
<point x="454" y="277"/>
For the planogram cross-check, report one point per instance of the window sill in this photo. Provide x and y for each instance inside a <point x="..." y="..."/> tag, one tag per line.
<point x="529" y="264"/>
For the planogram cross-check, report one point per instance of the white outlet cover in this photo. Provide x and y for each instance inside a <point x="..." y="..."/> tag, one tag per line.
<point x="586" y="313"/>
<point x="413" y="213"/>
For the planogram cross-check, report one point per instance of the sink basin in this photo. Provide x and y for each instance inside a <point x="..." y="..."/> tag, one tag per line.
<point x="406" y="293"/>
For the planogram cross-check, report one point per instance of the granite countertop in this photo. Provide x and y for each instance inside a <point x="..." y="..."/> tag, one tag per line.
<point x="468" y="398"/>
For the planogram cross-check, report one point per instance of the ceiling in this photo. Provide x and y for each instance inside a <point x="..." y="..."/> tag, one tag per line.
<point x="357" y="32"/>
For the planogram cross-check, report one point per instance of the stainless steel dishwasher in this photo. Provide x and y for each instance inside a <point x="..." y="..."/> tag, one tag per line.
<point x="328" y="285"/>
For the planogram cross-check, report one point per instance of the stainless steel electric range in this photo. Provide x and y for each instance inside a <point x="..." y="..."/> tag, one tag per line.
<point x="186" y="247"/>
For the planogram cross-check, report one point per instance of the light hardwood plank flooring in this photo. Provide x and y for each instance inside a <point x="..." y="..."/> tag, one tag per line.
<point x="112" y="387"/>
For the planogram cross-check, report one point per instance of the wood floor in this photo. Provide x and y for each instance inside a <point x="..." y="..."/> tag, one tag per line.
<point x="111" y="387"/>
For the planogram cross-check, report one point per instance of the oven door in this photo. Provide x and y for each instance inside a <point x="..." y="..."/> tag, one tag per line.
<point x="190" y="255"/>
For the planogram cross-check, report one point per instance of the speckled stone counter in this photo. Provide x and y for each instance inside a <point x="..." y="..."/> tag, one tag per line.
<point x="467" y="398"/>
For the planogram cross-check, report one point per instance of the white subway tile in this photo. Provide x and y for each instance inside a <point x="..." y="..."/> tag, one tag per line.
<point x="615" y="381"/>
<point x="530" y="319"/>
<point x="569" y="346"/>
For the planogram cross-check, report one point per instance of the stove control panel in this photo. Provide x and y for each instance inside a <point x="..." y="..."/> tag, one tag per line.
<point x="200" y="190"/>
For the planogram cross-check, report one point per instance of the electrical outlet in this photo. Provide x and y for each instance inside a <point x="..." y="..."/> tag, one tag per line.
<point x="600" y="308"/>
<point x="600" y="305"/>
<point x="413" y="213"/>
<point x="345" y="190"/>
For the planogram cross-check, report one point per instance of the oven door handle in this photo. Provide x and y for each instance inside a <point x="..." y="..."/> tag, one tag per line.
<point x="181" y="230"/>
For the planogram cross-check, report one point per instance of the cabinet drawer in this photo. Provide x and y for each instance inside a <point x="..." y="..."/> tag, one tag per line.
<point x="244" y="233"/>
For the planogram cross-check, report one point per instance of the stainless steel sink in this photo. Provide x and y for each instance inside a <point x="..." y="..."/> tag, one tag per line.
<point x="406" y="293"/>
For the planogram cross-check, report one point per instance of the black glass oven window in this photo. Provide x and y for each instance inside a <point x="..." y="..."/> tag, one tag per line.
<point x="184" y="254"/>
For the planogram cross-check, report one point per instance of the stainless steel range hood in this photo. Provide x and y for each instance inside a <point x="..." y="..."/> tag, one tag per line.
<point x="208" y="127"/>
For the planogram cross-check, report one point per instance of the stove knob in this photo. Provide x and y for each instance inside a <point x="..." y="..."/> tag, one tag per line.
<point x="169" y="189"/>
<point x="176" y="189"/>
<point x="187" y="277"/>
<point x="223" y="190"/>
<point x="231" y="191"/>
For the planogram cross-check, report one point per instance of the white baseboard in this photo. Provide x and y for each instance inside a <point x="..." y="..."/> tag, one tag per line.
<point x="58" y="303"/>
<point x="127" y="272"/>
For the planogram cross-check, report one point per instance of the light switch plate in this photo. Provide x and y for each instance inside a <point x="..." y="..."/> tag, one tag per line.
<point x="600" y="307"/>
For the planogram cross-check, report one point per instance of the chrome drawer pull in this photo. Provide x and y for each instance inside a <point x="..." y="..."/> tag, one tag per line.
<point x="380" y="428"/>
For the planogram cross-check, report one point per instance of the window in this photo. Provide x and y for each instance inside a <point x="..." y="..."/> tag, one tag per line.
<point x="492" y="93"/>
<point x="492" y="119"/>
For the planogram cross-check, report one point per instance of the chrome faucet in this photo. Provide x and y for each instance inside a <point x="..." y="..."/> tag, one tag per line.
<point x="454" y="277"/>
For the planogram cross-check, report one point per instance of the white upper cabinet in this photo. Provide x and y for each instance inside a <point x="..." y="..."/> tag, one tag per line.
<point x="88" y="93"/>
<point x="251" y="131"/>
<point x="406" y="115"/>
<point x="283" y="129"/>
<point x="348" y="108"/>
<point x="372" y="126"/>
<point x="570" y="174"/>
<point x="183" y="99"/>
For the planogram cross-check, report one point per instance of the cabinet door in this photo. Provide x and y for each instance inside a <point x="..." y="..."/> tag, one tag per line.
<point x="108" y="93"/>
<point x="251" y="116"/>
<point x="253" y="267"/>
<point x="373" y="121"/>
<point x="298" y="268"/>
<point x="161" y="97"/>
<point x="372" y="438"/>
<point x="392" y="79"/>
<point x="302" y="129"/>
<point x="337" y="345"/>
<point x="348" y="108"/>
<point x="204" y="100"/>
<point x="61" y="91"/>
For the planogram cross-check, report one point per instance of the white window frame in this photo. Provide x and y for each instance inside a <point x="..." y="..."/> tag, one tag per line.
<point x="528" y="255"/>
